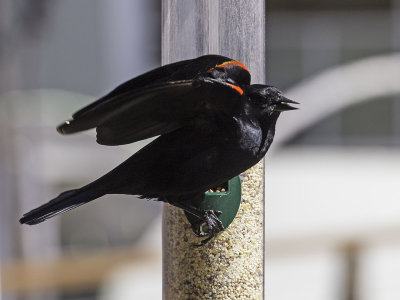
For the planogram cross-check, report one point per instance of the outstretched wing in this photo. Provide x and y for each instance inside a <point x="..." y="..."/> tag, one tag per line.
<point x="154" y="111"/>
<point x="157" y="102"/>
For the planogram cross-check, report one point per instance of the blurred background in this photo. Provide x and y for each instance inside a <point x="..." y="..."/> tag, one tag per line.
<point x="332" y="175"/>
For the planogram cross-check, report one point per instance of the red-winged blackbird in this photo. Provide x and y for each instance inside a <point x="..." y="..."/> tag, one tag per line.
<point x="213" y="125"/>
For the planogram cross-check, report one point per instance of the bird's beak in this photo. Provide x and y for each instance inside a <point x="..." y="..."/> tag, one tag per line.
<point x="284" y="104"/>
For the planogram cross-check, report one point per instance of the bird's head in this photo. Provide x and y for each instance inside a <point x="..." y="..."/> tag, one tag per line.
<point x="268" y="99"/>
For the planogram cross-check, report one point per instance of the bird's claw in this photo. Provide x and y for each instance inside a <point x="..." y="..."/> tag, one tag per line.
<point x="208" y="225"/>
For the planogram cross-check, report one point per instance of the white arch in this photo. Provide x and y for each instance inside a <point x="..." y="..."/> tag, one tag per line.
<point x="339" y="87"/>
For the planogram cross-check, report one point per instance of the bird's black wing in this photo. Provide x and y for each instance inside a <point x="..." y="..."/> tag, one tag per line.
<point x="150" y="112"/>
<point x="159" y="109"/>
<point x="166" y="102"/>
<point x="183" y="70"/>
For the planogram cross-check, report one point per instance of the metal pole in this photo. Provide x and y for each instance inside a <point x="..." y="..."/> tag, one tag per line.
<point x="232" y="265"/>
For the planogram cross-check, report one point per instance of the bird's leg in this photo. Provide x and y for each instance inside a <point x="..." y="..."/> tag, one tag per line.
<point x="208" y="223"/>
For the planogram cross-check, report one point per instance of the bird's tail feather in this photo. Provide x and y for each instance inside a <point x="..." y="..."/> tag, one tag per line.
<point x="64" y="202"/>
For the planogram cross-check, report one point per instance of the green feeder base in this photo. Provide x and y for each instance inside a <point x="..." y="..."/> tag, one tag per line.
<point x="227" y="202"/>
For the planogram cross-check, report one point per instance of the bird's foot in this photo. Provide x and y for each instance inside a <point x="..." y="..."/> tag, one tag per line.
<point x="208" y="225"/>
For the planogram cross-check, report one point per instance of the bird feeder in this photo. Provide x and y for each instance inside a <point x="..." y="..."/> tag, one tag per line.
<point x="225" y="199"/>
<point x="230" y="266"/>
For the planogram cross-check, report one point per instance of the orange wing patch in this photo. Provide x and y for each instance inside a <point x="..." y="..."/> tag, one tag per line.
<point x="232" y="62"/>
<point x="238" y="89"/>
<point x="228" y="64"/>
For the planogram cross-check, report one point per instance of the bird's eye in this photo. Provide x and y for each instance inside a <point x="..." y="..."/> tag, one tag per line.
<point x="257" y="98"/>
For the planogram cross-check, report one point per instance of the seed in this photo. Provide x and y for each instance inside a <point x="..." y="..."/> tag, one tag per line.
<point x="228" y="267"/>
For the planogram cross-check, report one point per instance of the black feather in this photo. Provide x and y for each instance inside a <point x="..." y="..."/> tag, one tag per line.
<point x="64" y="202"/>
<point x="213" y="125"/>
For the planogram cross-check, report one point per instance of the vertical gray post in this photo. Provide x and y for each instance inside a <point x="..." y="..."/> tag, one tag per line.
<point x="232" y="265"/>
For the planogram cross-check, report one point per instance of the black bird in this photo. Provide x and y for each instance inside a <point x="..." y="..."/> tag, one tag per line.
<point x="213" y="125"/>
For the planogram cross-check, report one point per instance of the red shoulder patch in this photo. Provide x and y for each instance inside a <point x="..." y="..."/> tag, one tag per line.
<point x="232" y="63"/>
<point x="238" y="89"/>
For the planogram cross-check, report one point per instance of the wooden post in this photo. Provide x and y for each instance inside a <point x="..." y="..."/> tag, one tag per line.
<point x="232" y="265"/>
